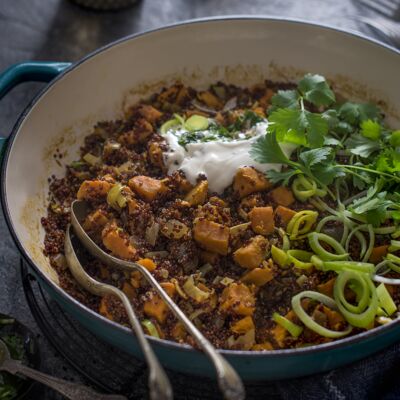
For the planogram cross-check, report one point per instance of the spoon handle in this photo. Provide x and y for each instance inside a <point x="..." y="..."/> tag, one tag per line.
<point x="72" y="391"/>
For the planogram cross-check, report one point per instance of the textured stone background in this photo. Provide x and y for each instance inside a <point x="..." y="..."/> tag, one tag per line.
<point x="59" y="30"/>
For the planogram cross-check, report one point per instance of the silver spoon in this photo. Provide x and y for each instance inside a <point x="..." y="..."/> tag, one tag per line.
<point x="159" y="385"/>
<point x="228" y="380"/>
<point x="72" y="391"/>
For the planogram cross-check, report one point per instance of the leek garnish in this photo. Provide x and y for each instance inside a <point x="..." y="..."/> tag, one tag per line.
<point x="385" y="300"/>
<point x="291" y="327"/>
<point x="194" y="292"/>
<point x="363" y="314"/>
<point x="309" y="322"/>
<point x="150" y="328"/>
<point x="115" y="198"/>
<point x="91" y="159"/>
<point x="174" y="123"/>
<point x="314" y="239"/>
<point x="301" y="259"/>
<point x="338" y="266"/>
<point x="394" y="246"/>
<point x="304" y="188"/>
<point x="196" y="123"/>
<point x="301" y="224"/>
<point x="279" y="256"/>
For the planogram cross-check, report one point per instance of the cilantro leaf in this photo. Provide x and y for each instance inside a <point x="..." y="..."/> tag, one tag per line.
<point x="284" y="176"/>
<point x="299" y="126"/>
<point x="266" y="150"/>
<point x="314" y="156"/>
<point x="331" y="141"/>
<point x="395" y="138"/>
<point x="388" y="161"/>
<point x="354" y="113"/>
<point x="374" y="206"/>
<point x="316" y="130"/>
<point x="318" y="165"/>
<point x="285" y="99"/>
<point x="327" y="172"/>
<point x="285" y="120"/>
<point x="331" y="117"/>
<point x="361" y="145"/>
<point x="316" y="90"/>
<point x="371" y="129"/>
<point x="343" y="128"/>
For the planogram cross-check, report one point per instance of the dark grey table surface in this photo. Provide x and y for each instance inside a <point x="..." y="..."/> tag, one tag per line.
<point x="59" y="30"/>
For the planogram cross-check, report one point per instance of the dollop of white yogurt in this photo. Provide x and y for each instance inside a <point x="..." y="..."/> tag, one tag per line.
<point x="218" y="160"/>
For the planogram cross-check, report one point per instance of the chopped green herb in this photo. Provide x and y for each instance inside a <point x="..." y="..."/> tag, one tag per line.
<point x="316" y="90"/>
<point x="371" y="129"/>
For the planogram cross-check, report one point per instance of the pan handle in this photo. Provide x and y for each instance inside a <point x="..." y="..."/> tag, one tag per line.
<point x="40" y="71"/>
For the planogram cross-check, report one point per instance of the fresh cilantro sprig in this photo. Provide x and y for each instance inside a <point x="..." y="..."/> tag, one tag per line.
<point x="298" y="126"/>
<point x="312" y="88"/>
<point x="317" y="164"/>
<point x="377" y="206"/>
<point x="292" y="122"/>
<point x="351" y="130"/>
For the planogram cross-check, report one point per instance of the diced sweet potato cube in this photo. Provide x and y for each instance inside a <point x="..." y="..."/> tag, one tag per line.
<point x="198" y="194"/>
<point x="117" y="242"/>
<point x="211" y="236"/>
<point x="169" y="287"/>
<point x="237" y="299"/>
<point x="210" y="100"/>
<point x="183" y="95"/>
<point x="335" y="319"/>
<point x="156" y="308"/>
<point x="243" y="325"/>
<point x="378" y="253"/>
<point x="95" y="220"/>
<point x="156" y="154"/>
<point x="128" y="290"/>
<point x="139" y="133"/>
<point x="150" y="113"/>
<point x="262" y="220"/>
<point x="136" y="279"/>
<point x="279" y="333"/>
<point x="263" y="346"/>
<point x="258" y="276"/>
<point x="247" y="180"/>
<point x="327" y="287"/>
<point x="178" y="331"/>
<point x="265" y="99"/>
<point x="90" y="190"/>
<point x="133" y="206"/>
<point x="252" y="254"/>
<point x="147" y="188"/>
<point x="181" y="183"/>
<point x="103" y="309"/>
<point x="148" y="263"/>
<point x="169" y="94"/>
<point x="282" y="196"/>
<point x="283" y="215"/>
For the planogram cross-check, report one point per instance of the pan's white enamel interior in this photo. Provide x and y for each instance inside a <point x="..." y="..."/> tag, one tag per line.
<point x="236" y="50"/>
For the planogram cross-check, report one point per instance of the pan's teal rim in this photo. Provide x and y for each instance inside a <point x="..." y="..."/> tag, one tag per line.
<point x="326" y="347"/>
